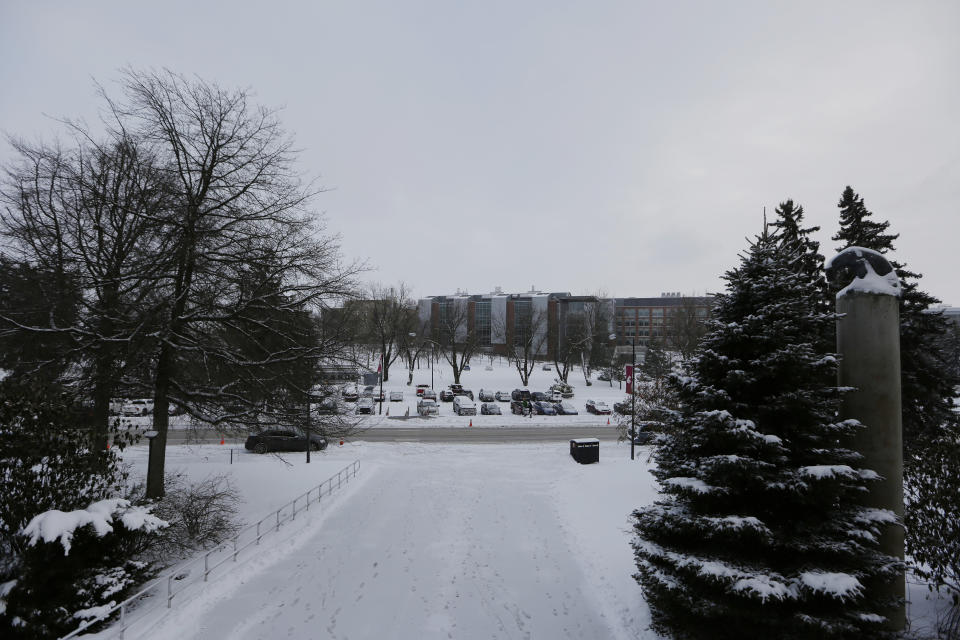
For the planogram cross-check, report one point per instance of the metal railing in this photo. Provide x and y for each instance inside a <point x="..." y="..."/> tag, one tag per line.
<point x="142" y="611"/>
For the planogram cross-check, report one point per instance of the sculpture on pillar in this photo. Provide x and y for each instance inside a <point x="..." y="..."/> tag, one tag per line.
<point x="861" y="269"/>
<point x="868" y="342"/>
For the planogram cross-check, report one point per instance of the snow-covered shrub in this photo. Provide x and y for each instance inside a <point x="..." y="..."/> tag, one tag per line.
<point x="200" y="514"/>
<point x="75" y="566"/>
<point x="49" y="465"/>
<point x="759" y="533"/>
<point x="46" y="462"/>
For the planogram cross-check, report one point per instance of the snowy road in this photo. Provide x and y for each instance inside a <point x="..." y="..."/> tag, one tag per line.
<point x="430" y="546"/>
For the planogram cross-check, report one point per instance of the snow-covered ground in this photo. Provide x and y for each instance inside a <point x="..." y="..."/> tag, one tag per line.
<point x="433" y="541"/>
<point x="439" y="540"/>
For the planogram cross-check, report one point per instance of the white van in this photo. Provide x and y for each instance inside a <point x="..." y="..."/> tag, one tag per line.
<point x="464" y="406"/>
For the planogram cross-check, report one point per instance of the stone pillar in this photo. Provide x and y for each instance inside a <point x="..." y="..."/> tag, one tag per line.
<point x="868" y="341"/>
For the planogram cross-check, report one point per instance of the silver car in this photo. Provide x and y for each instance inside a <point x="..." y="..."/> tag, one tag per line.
<point x="427" y="407"/>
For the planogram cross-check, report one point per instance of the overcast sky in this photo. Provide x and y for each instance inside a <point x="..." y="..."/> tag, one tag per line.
<point x="628" y="147"/>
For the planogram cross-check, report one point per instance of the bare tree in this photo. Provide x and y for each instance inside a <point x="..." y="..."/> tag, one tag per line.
<point x="388" y="312"/>
<point x="575" y="344"/>
<point x="454" y="335"/>
<point x="244" y="251"/>
<point x="413" y="346"/>
<point x="595" y="353"/>
<point x="89" y="215"/>
<point x="525" y="340"/>
<point x="687" y="326"/>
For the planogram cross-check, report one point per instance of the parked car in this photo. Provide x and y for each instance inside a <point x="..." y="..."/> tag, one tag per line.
<point x="502" y="396"/>
<point x="641" y="437"/>
<point x="396" y="396"/>
<point x="421" y="388"/>
<point x="565" y="408"/>
<point x="490" y="409"/>
<point x="458" y="390"/>
<point x="598" y="407"/>
<point x="365" y="405"/>
<point x="603" y="376"/>
<point x="547" y="367"/>
<point x="137" y="407"/>
<point x="566" y="391"/>
<point x="464" y="406"/>
<point x="624" y="407"/>
<point x="466" y="367"/>
<point x="446" y="395"/>
<point x="539" y="396"/>
<point x="555" y="397"/>
<point x="427" y="407"/>
<point x="328" y="406"/>
<point x="429" y="394"/>
<point x="277" y="440"/>
<point x="367" y="391"/>
<point x="521" y="407"/>
<point x="349" y="394"/>
<point x="520" y="394"/>
<point x="544" y="408"/>
<point x="485" y="396"/>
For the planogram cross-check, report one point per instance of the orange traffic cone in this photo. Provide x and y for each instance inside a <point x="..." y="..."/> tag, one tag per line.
<point x="471" y="423"/>
<point x="388" y="410"/>
<point x="222" y="441"/>
<point x="108" y="445"/>
<point x="341" y="442"/>
<point x="608" y="422"/>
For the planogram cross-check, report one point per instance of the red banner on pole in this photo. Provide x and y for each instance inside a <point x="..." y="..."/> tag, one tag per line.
<point x="629" y="376"/>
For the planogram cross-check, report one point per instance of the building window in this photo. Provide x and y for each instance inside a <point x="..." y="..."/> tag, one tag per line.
<point x="481" y="322"/>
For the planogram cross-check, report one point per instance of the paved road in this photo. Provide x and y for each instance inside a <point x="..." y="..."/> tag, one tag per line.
<point x="435" y="434"/>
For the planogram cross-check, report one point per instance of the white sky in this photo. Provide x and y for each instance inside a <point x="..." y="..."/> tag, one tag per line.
<point x="575" y="146"/>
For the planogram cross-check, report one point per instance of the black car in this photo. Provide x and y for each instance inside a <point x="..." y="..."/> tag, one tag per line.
<point x="458" y="390"/>
<point x="540" y="396"/>
<point x="446" y="395"/>
<point x="544" y="408"/>
<point x="521" y="407"/>
<point x="277" y="440"/>
<point x="520" y="394"/>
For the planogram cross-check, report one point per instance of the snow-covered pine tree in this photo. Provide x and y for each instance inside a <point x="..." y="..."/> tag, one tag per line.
<point x="789" y="227"/>
<point x="931" y="431"/>
<point x="759" y="534"/>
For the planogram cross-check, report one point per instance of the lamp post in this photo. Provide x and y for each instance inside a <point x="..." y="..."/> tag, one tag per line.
<point x="633" y="391"/>
<point x="433" y="344"/>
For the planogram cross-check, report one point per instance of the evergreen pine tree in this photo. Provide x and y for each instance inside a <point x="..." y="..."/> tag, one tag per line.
<point x="930" y="427"/>
<point x="759" y="534"/>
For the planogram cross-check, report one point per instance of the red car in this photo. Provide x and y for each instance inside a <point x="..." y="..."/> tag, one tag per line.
<point x="421" y="388"/>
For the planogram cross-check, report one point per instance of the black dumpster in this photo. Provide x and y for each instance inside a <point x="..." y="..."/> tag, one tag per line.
<point x="585" y="450"/>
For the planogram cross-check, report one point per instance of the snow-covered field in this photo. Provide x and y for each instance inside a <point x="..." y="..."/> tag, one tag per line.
<point x="432" y="541"/>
